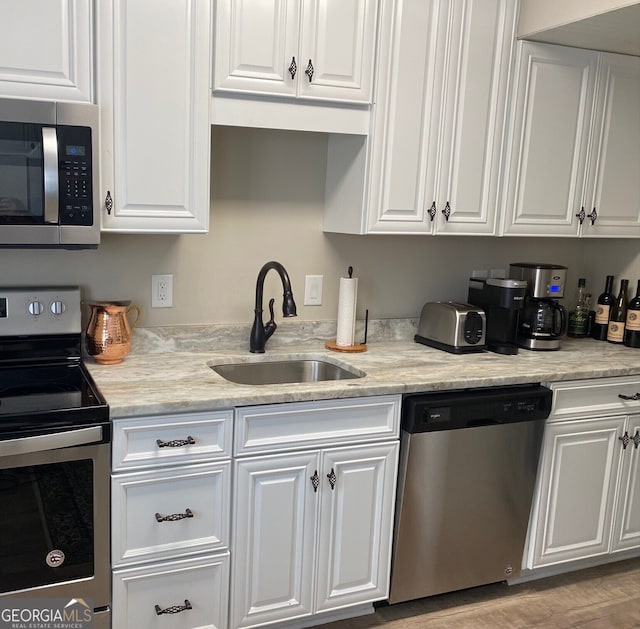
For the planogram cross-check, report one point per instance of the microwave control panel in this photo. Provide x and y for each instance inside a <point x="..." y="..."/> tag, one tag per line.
<point x="75" y="175"/>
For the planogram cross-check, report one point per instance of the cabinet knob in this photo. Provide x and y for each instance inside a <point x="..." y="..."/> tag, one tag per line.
<point x="581" y="215"/>
<point x="173" y="609"/>
<point x="315" y="481"/>
<point x="309" y="71"/>
<point x="593" y="215"/>
<point x="176" y="443"/>
<point x="447" y="211"/>
<point x="108" y="202"/>
<point x="174" y="517"/>
<point x="625" y="440"/>
<point x="636" y="439"/>
<point x="432" y="211"/>
<point x="293" y="68"/>
<point x="332" y="479"/>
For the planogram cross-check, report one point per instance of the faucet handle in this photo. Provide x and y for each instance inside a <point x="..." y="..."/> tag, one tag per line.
<point x="270" y="326"/>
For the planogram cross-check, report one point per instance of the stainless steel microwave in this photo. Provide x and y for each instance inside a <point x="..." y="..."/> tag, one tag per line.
<point x="48" y="174"/>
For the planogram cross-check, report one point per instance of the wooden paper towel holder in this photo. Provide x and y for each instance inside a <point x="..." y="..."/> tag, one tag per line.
<point x="356" y="347"/>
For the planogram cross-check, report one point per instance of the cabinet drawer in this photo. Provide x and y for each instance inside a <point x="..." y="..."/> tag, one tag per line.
<point x="203" y="582"/>
<point x="594" y="397"/>
<point x="201" y="492"/>
<point x="171" y="439"/>
<point x="279" y="427"/>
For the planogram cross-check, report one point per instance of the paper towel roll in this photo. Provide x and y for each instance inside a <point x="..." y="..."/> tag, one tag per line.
<point x="347" y="298"/>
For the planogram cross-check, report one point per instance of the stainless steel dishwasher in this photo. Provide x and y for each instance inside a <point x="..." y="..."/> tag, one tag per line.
<point x="468" y="463"/>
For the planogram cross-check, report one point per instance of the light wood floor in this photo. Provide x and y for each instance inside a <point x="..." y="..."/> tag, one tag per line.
<point x="607" y="597"/>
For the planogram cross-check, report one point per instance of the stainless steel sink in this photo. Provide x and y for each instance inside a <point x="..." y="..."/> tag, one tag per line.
<point x="284" y="371"/>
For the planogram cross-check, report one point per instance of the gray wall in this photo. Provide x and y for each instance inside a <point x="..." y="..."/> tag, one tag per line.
<point x="266" y="203"/>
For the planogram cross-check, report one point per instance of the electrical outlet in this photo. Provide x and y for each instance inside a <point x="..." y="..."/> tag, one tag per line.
<point x="313" y="290"/>
<point x="161" y="291"/>
<point x="481" y="273"/>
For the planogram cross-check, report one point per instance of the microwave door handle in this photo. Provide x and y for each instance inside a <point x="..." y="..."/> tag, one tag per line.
<point x="52" y="441"/>
<point x="51" y="192"/>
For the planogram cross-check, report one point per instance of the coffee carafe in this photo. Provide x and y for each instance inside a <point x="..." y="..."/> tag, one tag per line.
<point x="543" y="321"/>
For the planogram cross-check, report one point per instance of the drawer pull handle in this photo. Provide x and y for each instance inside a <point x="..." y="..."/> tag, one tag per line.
<point x="174" y="609"/>
<point x="629" y="397"/>
<point x="315" y="481"/>
<point x="625" y="440"/>
<point x="332" y="479"/>
<point x="636" y="439"/>
<point x="176" y="443"/>
<point x="174" y="517"/>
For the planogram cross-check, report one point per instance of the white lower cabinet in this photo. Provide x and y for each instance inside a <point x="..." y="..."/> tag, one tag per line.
<point x="170" y="496"/>
<point x="587" y="502"/>
<point x="312" y="527"/>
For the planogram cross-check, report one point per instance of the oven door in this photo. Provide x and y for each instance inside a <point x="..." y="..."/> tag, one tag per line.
<point x="54" y="523"/>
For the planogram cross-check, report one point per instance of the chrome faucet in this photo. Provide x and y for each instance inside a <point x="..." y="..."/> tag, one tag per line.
<point x="261" y="333"/>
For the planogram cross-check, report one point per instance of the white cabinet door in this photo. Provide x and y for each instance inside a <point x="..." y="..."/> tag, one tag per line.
<point x="274" y="538"/>
<point x="46" y="49"/>
<point x="614" y="184"/>
<point x="472" y="120"/>
<point x="549" y="138"/>
<point x="255" y="44"/>
<point x="358" y="494"/>
<point x="318" y="49"/>
<point x="154" y="69"/>
<point x="337" y="50"/>
<point x="626" y="534"/>
<point x="440" y="117"/>
<point x="578" y="479"/>
<point x="403" y="140"/>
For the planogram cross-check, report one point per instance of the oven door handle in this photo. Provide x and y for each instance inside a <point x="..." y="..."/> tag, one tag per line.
<point x="52" y="441"/>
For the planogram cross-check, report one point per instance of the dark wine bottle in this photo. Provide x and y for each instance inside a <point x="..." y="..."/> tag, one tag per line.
<point x="632" y="324"/>
<point x="601" y="321"/>
<point x="618" y="315"/>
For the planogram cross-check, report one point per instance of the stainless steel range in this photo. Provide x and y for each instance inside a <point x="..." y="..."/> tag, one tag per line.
<point x="55" y="440"/>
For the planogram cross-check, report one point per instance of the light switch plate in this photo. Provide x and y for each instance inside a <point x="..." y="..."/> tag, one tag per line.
<point x="313" y="290"/>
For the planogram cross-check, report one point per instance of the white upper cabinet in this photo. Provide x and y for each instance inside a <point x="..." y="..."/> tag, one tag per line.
<point x="294" y="64"/>
<point x="46" y="49"/>
<point x="613" y="176"/>
<point x="433" y="162"/>
<point x="311" y="49"/>
<point x="574" y="148"/>
<point x="154" y="69"/>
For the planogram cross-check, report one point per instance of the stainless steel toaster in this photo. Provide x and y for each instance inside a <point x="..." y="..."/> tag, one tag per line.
<point x="453" y="327"/>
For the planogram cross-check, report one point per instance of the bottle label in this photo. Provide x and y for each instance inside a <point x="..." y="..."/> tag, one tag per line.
<point x="615" y="331"/>
<point x="578" y="323"/>
<point x="633" y="320"/>
<point x="602" y="314"/>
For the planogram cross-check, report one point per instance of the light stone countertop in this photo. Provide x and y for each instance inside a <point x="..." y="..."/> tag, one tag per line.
<point x="169" y="370"/>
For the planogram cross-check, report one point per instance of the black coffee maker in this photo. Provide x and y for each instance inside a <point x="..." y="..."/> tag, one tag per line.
<point x="543" y="321"/>
<point x="502" y="301"/>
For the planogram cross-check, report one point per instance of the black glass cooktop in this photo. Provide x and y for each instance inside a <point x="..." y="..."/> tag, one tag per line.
<point x="50" y="396"/>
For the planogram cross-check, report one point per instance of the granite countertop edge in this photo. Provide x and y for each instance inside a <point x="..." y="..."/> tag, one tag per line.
<point x="165" y="382"/>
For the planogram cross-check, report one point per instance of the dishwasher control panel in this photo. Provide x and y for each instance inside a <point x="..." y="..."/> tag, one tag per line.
<point x="471" y="408"/>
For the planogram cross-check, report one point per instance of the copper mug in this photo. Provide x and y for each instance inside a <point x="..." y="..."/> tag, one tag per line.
<point x="108" y="335"/>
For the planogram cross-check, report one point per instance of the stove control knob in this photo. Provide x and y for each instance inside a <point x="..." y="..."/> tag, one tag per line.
<point x="35" y="308"/>
<point x="57" y="307"/>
